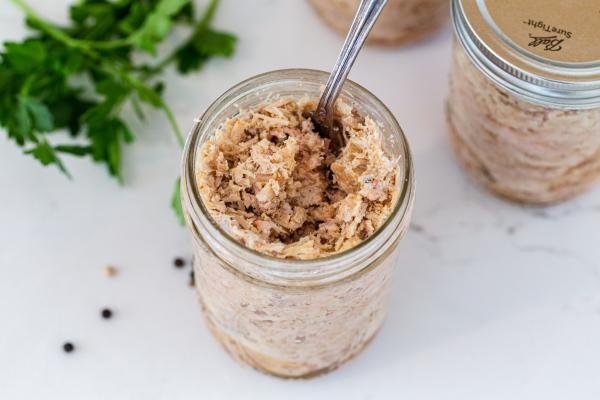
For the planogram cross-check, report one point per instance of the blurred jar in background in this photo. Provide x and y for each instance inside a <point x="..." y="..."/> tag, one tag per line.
<point x="401" y="22"/>
<point x="524" y="104"/>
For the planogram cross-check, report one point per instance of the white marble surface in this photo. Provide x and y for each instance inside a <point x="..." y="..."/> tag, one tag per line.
<point x="491" y="301"/>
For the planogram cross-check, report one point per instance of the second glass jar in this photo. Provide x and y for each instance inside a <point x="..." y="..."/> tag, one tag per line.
<point x="524" y="106"/>
<point x="401" y="21"/>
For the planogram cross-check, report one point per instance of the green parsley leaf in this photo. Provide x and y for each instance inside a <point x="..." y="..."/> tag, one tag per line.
<point x="22" y="123"/>
<point x="176" y="202"/>
<point x="45" y="154"/>
<point x="202" y="47"/>
<point x="157" y="25"/>
<point x="40" y="114"/>
<point x="24" y="57"/>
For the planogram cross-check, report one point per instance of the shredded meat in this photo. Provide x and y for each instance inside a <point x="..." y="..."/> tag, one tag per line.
<point x="271" y="182"/>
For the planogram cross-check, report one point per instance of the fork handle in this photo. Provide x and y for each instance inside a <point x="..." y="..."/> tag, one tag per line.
<point x="367" y="14"/>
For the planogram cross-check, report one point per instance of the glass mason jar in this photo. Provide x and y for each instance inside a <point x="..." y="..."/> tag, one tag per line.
<point x="401" y="21"/>
<point x="524" y="103"/>
<point x="286" y="317"/>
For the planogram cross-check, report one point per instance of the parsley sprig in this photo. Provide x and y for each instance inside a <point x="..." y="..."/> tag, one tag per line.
<point x="80" y="77"/>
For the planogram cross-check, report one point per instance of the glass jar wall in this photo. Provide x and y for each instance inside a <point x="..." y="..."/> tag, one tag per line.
<point x="287" y="317"/>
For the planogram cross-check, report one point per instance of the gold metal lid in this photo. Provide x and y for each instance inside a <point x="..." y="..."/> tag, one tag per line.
<point x="546" y="51"/>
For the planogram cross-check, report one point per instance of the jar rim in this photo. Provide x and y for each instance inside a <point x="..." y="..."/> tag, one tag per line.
<point x="285" y="266"/>
<point x="539" y="80"/>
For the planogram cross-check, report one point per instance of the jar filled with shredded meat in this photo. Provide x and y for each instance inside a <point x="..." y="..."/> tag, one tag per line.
<point x="295" y="242"/>
<point x="524" y="105"/>
<point x="401" y="22"/>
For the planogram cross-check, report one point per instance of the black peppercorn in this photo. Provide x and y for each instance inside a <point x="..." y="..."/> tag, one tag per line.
<point x="179" y="262"/>
<point x="106" y="313"/>
<point x="68" y="347"/>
